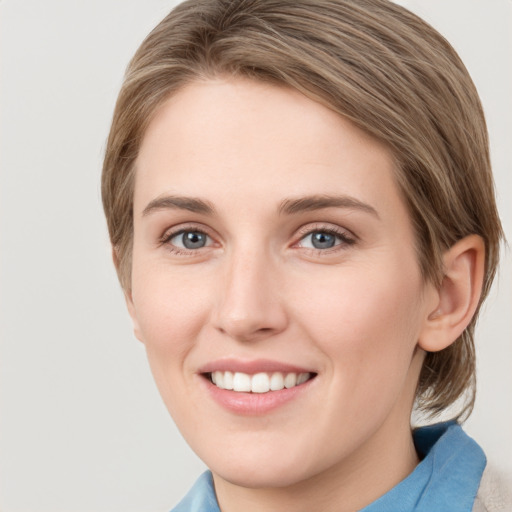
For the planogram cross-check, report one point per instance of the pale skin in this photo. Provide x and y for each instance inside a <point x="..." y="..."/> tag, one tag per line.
<point x="303" y="255"/>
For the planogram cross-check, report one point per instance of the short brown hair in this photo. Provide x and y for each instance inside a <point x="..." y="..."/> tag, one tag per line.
<point x="372" y="62"/>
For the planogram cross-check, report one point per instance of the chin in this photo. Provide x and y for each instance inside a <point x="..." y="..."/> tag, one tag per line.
<point x="265" y="466"/>
<point x="262" y="476"/>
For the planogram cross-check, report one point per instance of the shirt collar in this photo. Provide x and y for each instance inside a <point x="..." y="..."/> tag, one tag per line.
<point x="201" y="498"/>
<point x="447" y="478"/>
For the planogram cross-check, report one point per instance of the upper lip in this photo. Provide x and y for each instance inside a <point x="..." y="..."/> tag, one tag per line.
<point x="251" y="366"/>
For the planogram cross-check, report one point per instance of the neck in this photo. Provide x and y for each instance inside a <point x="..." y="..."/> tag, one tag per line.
<point x="378" y="466"/>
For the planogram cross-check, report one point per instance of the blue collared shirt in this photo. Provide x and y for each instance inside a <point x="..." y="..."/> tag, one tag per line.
<point x="447" y="478"/>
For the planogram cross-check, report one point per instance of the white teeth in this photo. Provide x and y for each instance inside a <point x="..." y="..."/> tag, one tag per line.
<point x="218" y="378"/>
<point x="241" y="382"/>
<point x="228" y="380"/>
<point x="290" y="380"/>
<point x="303" y="377"/>
<point x="259" y="382"/>
<point x="276" y="381"/>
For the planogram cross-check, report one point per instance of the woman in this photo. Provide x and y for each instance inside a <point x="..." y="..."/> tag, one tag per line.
<point x="301" y="209"/>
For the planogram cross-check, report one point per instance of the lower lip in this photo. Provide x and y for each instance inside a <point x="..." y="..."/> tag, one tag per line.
<point x="255" y="403"/>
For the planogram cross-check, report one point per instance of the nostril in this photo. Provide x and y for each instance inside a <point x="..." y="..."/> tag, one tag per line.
<point x="245" y="330"/>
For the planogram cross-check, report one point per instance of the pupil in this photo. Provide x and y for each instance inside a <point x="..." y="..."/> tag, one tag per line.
<point x="323" y="240"/>
<point x="194" y="240"/>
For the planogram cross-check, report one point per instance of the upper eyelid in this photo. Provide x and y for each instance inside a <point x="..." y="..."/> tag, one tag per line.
<point x="309" y="228"/>
<point x="174" y="234"/>
<point x="173" y="231"/>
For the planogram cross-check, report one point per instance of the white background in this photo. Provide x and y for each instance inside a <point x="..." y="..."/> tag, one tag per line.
<point x="82" y="426"/>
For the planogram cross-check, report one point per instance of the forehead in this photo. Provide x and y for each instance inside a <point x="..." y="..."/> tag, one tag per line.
<point x="260" y="141"/>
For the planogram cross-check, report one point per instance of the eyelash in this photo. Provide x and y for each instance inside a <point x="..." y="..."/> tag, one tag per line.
<point x="169" y="235"/>
<point x="342" y="235"/>
<point x="345" y="238"/>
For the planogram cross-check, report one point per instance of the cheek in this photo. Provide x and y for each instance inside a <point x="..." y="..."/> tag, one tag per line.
<point x="366" y="321"/>
<point x="368" y="333"/>
<point x="170" y="312"/>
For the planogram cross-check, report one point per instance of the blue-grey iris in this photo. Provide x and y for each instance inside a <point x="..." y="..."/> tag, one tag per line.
<point x="322" y="240"/>
<point x="193" y="240"/>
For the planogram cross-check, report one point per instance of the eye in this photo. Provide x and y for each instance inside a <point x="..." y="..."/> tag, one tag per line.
<point x="189" y="239"/>
<point x="320" y="240"/>
<point x="324" y="239"/>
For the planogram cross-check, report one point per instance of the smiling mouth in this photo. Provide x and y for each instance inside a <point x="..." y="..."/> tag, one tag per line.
<point x="258" y="382"/>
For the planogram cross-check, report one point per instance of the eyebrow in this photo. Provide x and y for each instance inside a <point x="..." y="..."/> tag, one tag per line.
<point x="288" y="206"/>
<point x="191" y="204"/>
<point x="319" y="202"/>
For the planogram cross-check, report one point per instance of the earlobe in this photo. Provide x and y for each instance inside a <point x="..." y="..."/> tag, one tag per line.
<point x="458" y="296"/>
<point x="133" y="314"/>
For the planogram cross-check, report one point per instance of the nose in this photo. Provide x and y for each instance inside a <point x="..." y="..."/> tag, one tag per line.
<point x="250" y="305"/>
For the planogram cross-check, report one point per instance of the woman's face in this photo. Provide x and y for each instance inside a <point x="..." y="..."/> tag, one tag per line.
<point x="274" y="254"/>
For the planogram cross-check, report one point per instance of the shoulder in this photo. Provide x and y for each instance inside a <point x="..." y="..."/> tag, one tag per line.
<point x="494" y="493"/>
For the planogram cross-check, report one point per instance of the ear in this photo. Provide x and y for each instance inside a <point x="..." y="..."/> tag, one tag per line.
<point x="128" y="299"/>
<point x="458" y="297"/>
